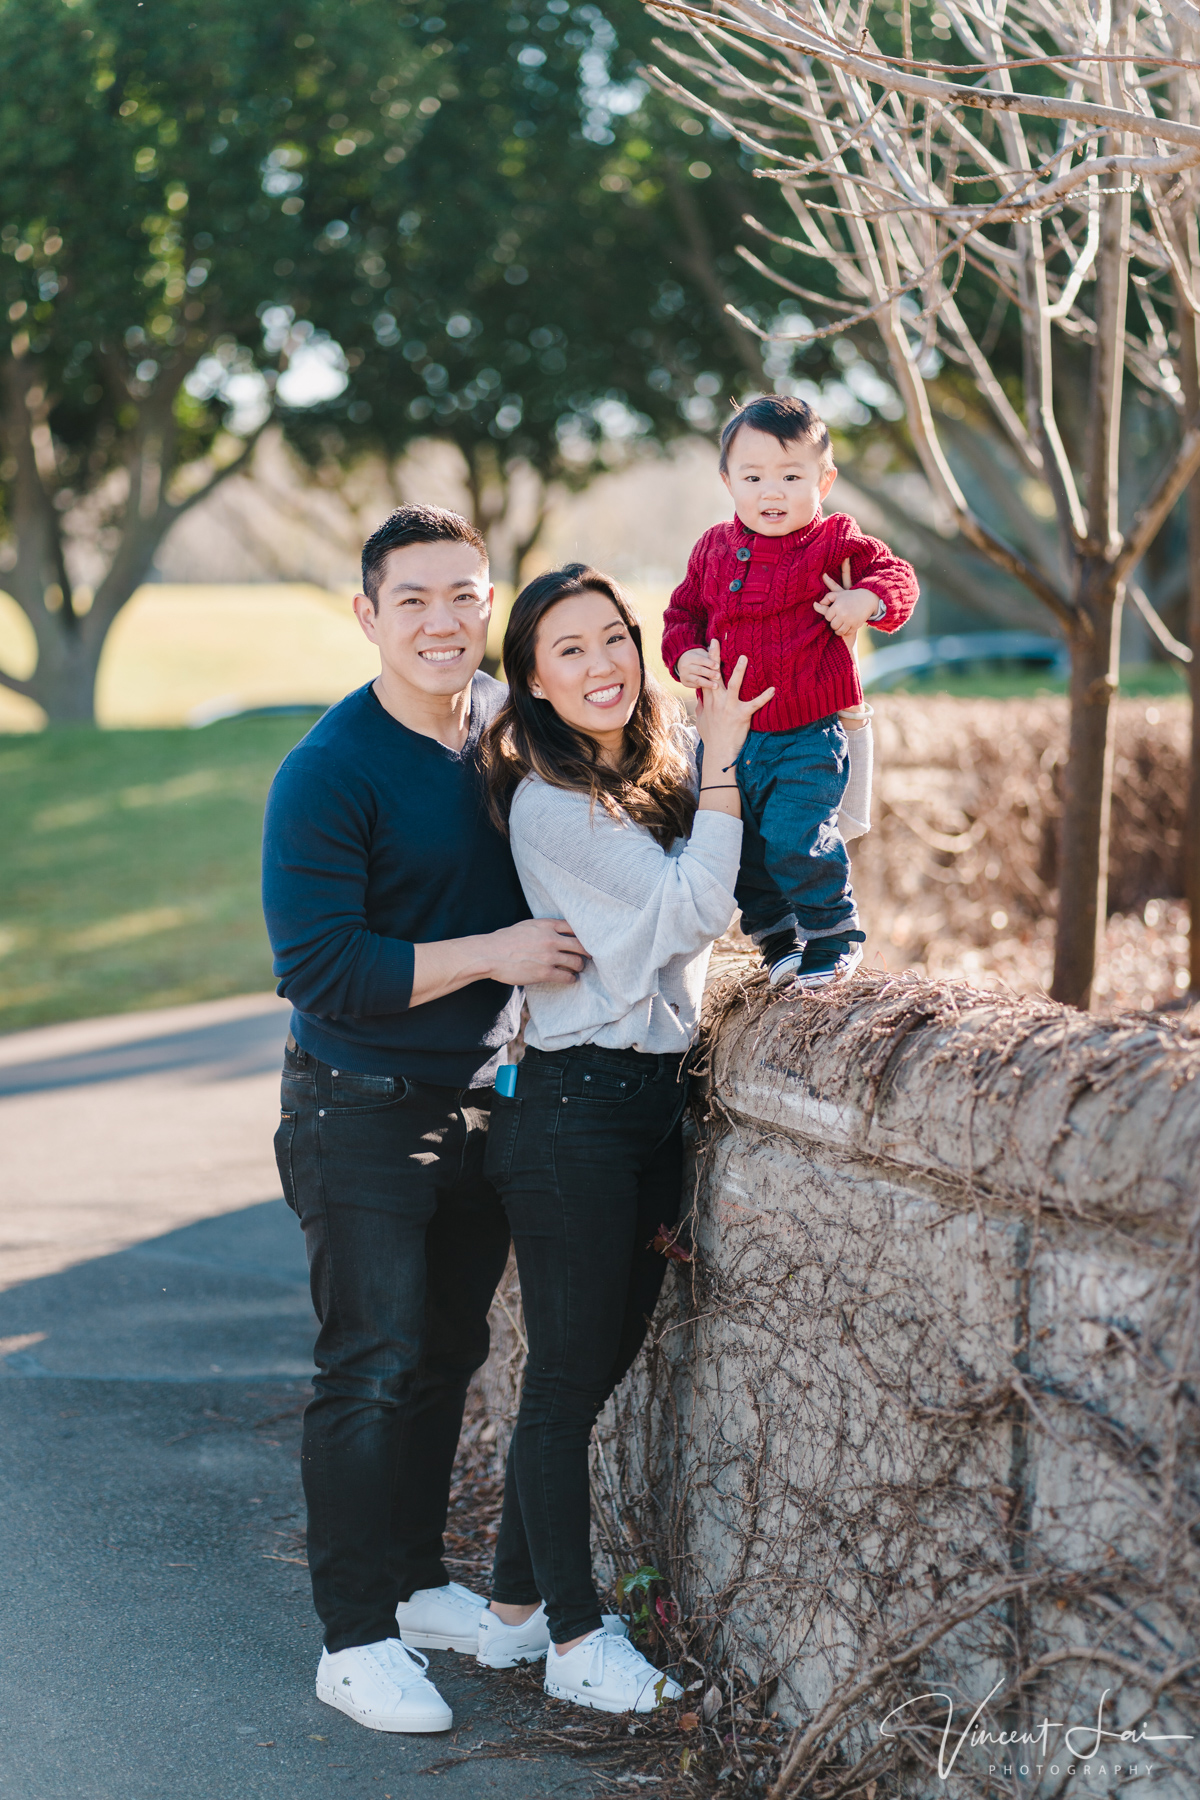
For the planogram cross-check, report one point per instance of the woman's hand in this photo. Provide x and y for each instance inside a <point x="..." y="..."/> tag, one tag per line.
<point x="723" y="719"/>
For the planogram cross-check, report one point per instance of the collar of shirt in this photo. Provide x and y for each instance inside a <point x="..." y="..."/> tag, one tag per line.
<point x="771" y="549"/>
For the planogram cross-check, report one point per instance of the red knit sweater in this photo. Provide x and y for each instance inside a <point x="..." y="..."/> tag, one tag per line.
<point x="771" y="619"/>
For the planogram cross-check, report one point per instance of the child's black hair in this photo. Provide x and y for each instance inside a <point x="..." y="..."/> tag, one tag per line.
<point x="780" y="417"/>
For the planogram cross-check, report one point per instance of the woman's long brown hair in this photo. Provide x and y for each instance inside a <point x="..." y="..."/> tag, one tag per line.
<point x="527" y="737"/>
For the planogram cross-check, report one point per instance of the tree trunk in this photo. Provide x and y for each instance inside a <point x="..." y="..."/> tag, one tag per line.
<point x="1083" y="837"/>
<point x="1191" y="842"/>
<point x="64" y="682"/>
<point x="1189" y="370"/>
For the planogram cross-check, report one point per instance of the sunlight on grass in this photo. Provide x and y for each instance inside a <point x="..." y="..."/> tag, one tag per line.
<point x="177" y="648"/>
<point x="130" y="876"/>
<point x="128" y="928"/>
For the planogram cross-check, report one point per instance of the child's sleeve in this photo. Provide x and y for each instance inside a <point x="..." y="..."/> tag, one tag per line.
<point x="874" y="566"/>
<point x="685" y="622"/>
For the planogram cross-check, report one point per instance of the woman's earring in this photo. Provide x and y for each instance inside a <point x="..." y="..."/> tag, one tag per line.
<point x="537" y="693"/>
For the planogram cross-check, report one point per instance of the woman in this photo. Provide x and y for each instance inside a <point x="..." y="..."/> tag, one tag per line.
<point x="595" y="783"/>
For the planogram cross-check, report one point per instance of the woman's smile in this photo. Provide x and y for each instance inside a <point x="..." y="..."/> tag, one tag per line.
<point x="606" y="696"/>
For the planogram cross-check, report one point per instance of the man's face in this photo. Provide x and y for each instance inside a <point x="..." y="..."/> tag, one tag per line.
<point x="431" y="622"/>
<point x="776" y="487"/>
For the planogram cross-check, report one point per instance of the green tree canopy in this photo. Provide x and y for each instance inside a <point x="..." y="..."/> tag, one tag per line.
<point x="368" y="221"/>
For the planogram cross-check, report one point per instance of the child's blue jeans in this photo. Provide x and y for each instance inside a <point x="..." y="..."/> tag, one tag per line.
<point x="795" y="870"/>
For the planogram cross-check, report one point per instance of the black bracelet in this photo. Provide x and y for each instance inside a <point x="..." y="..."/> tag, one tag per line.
<point x="721" y="787"/>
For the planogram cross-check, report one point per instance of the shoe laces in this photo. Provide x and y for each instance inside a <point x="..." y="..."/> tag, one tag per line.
<point x="620" y="1651"/>
<point x="453" y="1594"/>
<point x="398" y="1659"/>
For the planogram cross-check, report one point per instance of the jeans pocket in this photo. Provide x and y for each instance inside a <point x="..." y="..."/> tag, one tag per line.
<point x="353" y="1094"/>
<point x="284" y="1135"/>
<point x="600" y="1086"/>
<point x="502" y="1139"/>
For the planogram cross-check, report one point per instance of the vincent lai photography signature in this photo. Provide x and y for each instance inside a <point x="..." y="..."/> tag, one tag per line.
<point x="1080" y="1747"/>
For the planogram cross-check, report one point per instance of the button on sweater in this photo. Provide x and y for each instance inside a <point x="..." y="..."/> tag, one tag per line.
<point x="770" y="617"/>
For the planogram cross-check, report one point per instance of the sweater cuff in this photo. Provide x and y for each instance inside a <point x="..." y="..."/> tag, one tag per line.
<point x="718" y="835"/>
<point x="392" y="982"/>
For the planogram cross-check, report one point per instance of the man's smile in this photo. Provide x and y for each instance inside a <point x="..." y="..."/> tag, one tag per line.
<point x="441" y="656"/>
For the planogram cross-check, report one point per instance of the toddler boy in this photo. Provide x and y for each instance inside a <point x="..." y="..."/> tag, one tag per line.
<point x="789" y="589"/>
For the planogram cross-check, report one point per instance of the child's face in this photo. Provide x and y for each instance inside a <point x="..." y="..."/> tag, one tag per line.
<point x="776" y="487"/>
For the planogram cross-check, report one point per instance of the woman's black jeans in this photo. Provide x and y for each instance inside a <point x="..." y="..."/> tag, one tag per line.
<point x="588" y="1159"/>
<point x="406" y="1243"/>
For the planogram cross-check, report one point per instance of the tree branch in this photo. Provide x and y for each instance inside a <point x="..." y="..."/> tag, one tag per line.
<point x="1010" y="560"/>
<point x="1150" y="517"/>
<point x="175" y="509"/>
<point x="38" y="525"/>
<point x="815" y="43"/>
<point x="991" y="390"/>
<point x="141" y="537"/>
<point x="15" y="685"/>
<point x="697" y="257"/>
<point x="1170" y="644"/>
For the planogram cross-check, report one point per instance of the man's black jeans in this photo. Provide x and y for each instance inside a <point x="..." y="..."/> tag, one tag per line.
<point x="588" y="1158"/>
<point x="406" y="1243"/>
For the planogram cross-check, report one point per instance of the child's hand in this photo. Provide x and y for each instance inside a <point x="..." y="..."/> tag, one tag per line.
<point x="699" y="668"/>
<point x="845" y="609"/>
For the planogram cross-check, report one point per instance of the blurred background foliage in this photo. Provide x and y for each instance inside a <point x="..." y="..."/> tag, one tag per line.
<point x="320" y="257"/>
<point x="369" y="225"/>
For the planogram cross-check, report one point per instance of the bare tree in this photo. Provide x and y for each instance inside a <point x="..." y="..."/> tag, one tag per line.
<point x="1055" y="158"/>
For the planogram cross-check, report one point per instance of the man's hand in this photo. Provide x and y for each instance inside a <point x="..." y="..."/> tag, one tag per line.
<point x="698" y="669"/>
<point x="535" y="953"/>
<point x="845" y="609"/>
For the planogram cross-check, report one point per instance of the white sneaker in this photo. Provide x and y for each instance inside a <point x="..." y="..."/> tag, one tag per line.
<point x="383" y="1687"/>
<point x="609" y="1675"/>
<point x="445" y="1618"/>
<point x="504" y="1646"/>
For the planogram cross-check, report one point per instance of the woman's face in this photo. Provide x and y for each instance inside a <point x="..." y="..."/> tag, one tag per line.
<point x="586" y="666"/>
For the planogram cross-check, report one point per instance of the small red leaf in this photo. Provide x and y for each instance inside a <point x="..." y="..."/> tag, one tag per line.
<point x="666" y="1242"/>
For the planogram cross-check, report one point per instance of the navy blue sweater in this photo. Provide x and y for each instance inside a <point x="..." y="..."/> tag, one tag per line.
<point x="377" y="838"/>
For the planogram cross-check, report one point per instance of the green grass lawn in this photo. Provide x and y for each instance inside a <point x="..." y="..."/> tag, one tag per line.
<point x="992" y="681"/>
<point x="130" y="868"/>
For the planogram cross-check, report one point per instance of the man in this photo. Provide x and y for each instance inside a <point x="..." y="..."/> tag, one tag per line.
<point x="400" y="936"/>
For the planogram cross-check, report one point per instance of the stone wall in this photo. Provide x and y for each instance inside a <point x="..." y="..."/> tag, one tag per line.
<point x="921" y="1416"/>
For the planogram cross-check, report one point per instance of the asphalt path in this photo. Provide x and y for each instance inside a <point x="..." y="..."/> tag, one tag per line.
<point x="159" y="1641"/>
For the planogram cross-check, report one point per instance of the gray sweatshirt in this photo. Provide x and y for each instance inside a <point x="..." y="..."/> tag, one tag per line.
<point x="646" y="916"/>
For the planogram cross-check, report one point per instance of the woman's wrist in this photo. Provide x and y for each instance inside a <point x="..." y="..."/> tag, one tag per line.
<point x="721" y="755"/>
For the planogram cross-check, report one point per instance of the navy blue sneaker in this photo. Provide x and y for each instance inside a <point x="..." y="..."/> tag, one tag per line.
<point x="827" y="959"/>
<point x="781" y="953"/>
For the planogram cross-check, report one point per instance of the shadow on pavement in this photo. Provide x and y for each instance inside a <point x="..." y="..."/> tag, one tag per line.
<point x="224" y="1050"/>
<point x="159" y="1638"/>
<point x="227" y="1296"/>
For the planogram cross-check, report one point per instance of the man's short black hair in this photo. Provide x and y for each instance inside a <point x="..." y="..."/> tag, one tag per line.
<point x="780" y="417"/>
<point x="414" y="525"/>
